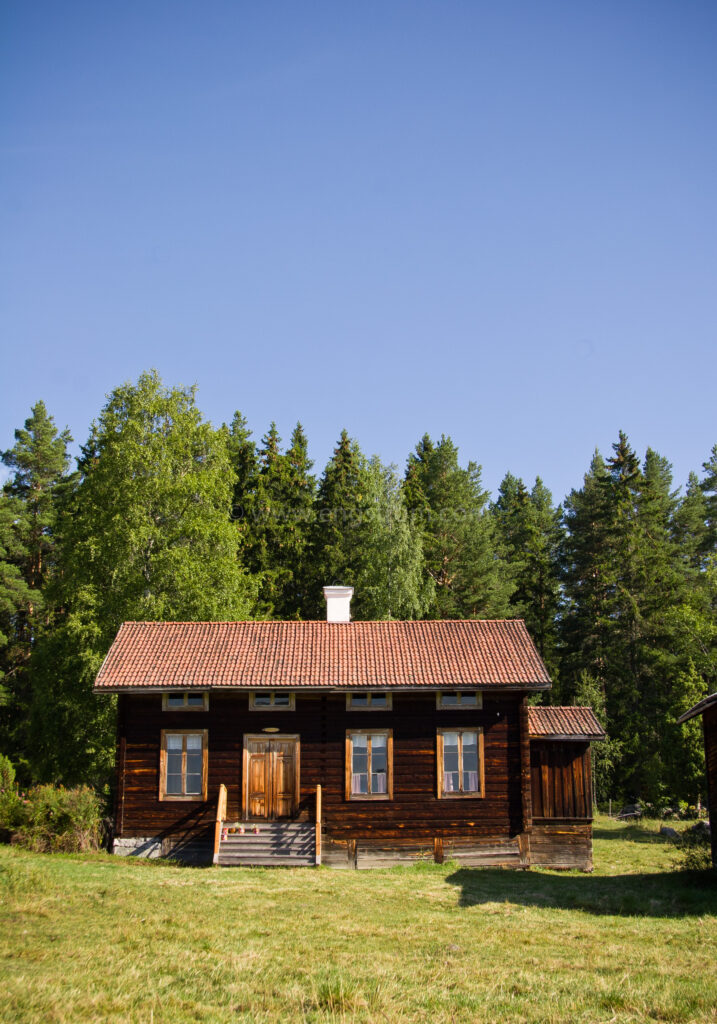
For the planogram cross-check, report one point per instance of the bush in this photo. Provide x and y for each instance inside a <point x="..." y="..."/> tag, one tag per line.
<point x="48" y="818"/>
<point x="11" y="803"/>
<point x="694" y="849"/>
<point x="59" y="819"/>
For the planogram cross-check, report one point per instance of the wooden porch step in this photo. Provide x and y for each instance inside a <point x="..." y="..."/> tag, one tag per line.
<point x="274" y="843"/>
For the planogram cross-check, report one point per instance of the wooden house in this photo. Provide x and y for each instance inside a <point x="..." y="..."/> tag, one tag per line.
<point x="348" y="743"/>
<point x="708" y="709"/>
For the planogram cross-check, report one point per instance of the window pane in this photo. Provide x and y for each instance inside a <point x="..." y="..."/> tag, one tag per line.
<point x="449" y="699"/>
<point x="262" y="700"/>
<point x="379" y="700"/>
<point x="194" y="763"/>
<point x="174" y="742"/>
<point x="378" y="754"/>
<point x="194" y="783"/>
<point x="195" y="700"/>
<point x="359" y="700"/>
<point x="359" y="783"/>
<point x="282" y="700"/>
<point x="450" y="762"/>
<point x="469" y="700"/>
<point x="194" y="742"/>
<point x="174" y="784"/>
<point x="470" y="762"/>
<point x="359" y="764"/>
<point x="175" y="700"/>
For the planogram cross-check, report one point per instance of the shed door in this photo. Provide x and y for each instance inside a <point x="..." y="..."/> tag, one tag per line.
<point x="271" y="783"/>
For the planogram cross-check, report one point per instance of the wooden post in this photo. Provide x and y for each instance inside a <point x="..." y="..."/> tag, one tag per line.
<point x="221" y="815"/>
<point x="525" y="781"/>
<point x="318" y="825"/>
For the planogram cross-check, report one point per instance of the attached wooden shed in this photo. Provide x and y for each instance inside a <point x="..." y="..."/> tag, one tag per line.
<point x="561" y="785"/>
<point x="708" y="709"/>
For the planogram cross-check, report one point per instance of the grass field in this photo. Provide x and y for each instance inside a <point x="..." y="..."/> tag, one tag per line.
<point x="92" y="938"/>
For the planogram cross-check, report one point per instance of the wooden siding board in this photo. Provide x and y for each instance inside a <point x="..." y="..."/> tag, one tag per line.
<point x="321" y="721"/>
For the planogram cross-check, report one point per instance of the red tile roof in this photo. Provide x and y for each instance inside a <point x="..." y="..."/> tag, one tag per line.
<point x="481" y="653"/>
<point x="568" y="723"/>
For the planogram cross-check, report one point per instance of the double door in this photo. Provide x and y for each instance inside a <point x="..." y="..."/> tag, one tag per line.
<point x="271" y="777"/>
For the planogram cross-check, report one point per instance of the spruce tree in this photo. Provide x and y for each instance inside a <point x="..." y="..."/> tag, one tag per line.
<point x="460" y="546"/>
<point x="31" y="502"/>
<point x="281" y="523"/>
<point x="529" y="528"/>
<point x="340" y="504"/>
<point x="709" y="489"/>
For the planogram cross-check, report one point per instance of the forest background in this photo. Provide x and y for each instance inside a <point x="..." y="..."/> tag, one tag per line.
<point x="167" y="517"/>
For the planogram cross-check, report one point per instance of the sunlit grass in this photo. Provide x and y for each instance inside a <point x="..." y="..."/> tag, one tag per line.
<point x="92" y="938"/>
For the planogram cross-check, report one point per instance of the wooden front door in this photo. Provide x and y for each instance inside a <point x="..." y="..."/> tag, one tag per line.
<point x="271" y="777"/>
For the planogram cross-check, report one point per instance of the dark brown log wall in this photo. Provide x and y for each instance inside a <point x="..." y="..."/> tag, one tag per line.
<point x="414" y="815"/>
<point x="561" y="779"/>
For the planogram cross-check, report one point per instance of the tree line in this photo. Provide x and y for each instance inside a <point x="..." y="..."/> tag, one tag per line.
<point x="166" y="517"/>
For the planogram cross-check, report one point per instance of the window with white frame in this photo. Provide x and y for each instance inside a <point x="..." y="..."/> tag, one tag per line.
<point x="183" y="765"/>
<point x="369" y="764"/>
<point x="185" y="701"/>
<point x="271" y="700"/>
<point x="460" y="762"/>
<point x="369" y="700"/>
<point x="446" y="699"/>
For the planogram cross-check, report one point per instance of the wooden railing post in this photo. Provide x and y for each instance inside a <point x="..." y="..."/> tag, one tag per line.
<point x="318" y="825"/>
<point x="221" y="815"/>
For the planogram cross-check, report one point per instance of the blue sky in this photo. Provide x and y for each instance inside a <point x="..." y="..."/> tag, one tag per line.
<point x="491" y="220"/>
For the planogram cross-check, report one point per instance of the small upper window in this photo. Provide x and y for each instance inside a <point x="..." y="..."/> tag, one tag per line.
<point x="271" y="700"/>
<point x="187" y="701"/>
<point x="459" y="699"/>
<point x="368" y="701"/>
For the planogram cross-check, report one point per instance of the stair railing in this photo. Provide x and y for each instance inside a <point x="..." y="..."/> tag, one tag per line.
<point x="318" y="825"/>
<point x="221" y="816"/>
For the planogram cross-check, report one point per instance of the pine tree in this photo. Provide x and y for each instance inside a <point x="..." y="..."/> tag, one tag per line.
<point x="147" y="535"/>
<point x="460" y="546"/>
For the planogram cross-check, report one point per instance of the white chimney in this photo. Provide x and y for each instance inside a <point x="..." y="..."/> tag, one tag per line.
<point x="338" y="603"/>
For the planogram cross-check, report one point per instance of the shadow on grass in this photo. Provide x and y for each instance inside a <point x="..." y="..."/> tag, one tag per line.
<point x="667" y="894"/>
<point x="631" y="833"/>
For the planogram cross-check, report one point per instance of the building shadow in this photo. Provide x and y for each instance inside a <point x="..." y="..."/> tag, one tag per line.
<point x="663" y="894"/>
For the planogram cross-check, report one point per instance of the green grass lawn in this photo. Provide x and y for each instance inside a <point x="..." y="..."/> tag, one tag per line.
<point x="93" y="938"/>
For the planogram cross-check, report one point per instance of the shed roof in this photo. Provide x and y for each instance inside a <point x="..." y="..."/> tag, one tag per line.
<point x="698" y="709"/>
<point x="564" y="723"/>
<point x="438" y="654"/>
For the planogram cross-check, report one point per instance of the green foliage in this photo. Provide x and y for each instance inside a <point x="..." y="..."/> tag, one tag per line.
<point x="460" y="546"/>
<point x="29" y="509"/>
<point x="55" y="819"/>
<point x="605" y="754"/>
<point x="530" y="532"/>
<point x="693" y="850"/>
<point x="388" y="567"/>
<point x="146" y="534"/>
<point x="280" y="511"/>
